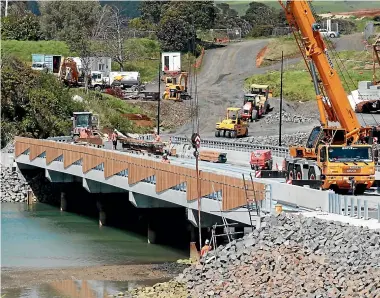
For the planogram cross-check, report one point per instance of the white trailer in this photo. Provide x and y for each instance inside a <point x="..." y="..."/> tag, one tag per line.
<point x="171" y="62"/>
<point x="96" y="64"/>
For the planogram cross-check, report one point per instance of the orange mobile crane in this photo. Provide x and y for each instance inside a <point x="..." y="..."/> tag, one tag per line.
<point x="339" y="158"/>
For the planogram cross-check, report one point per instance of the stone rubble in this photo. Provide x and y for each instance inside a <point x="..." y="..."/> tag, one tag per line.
<point x="286" y="117"/>
<point x="292" y="256"/>
<point x="298" y="138"/>
<point x="14" y="187"/>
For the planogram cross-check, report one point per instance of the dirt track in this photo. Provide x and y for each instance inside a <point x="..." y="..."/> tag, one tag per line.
<point x="221" y="81"/>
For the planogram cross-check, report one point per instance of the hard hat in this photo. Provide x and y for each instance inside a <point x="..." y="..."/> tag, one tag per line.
<point x="207" y="242"/>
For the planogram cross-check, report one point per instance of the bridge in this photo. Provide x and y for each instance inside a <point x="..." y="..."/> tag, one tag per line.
<point x="149" y="183"/>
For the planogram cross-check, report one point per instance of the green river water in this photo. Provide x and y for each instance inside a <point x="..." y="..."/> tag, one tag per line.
<point x="40" y="236"/>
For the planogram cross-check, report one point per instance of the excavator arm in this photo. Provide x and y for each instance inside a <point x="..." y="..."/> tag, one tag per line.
<point x="336" y="105"/>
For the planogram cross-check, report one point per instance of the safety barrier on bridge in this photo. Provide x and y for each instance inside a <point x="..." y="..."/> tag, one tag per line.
<point x="235" y="146"/>
<point x="166" y="176"/>
<point x="353" y="207"/>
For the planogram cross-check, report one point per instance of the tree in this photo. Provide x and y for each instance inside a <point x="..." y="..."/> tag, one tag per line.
<point x="260" y="14"/>
<point x="21" y="27"/>
<point x="151" y="11"/>
<point x="33" y="104"/>
<point x="63" y="19"/>
<point x="113" y="44"/>
<point x="174" y="33"/>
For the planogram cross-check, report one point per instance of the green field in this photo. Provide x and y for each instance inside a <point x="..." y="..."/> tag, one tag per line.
<point x="297" y="84"/>
<point x="320" y="6"/>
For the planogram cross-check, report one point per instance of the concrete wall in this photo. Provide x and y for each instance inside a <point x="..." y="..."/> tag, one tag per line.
<point x="300" y="196"/>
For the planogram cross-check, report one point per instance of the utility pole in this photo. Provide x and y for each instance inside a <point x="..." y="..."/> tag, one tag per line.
<point x="6" y="8"/>
<point x="159" y="95"/>
<point x="282" y="70"/>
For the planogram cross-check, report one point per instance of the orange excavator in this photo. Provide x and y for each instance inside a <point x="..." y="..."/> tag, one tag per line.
<point x="338" y="157"/>
<point x="69" y="73"/>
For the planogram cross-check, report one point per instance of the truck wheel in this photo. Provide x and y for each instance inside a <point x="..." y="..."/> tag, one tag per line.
<point x="98" y="88"/>
<point x="233" y="134"/>
<point x="332" y="35"/>
<point x="254" y="116"/>
<point x="298" y="173"/>
<point x="228" y="134"/>
<point x="311" y="174"/>
<point x="359" y="189"/>
<point x="217" y="133"/>
<point x="290" y="174"/>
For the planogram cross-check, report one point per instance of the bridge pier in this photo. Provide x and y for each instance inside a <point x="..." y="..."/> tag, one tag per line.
<point x="152" y="236"/>
<point x="63" y="202"/>
<point x="102" y="213"/>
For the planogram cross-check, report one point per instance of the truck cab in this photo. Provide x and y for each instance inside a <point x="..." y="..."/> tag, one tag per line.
<point x="99" y="81"/>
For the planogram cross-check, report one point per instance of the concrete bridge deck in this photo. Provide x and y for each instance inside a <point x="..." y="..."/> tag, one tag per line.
<point x="148" y="182"/>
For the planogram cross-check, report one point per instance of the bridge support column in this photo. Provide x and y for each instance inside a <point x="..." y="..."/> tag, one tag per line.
<point x="63" y="201"/>
<point x="102" y="213"/>
<point x="151" y="234"/>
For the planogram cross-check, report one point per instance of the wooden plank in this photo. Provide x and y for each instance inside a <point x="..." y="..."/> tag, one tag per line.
<point x="167" y="176"/>
<point x="20" y="148"/>
<point x="140" y="170"/>
<point x="69" y="157"/>
<point x="52" y="153"/>
<point x="36" y="150"/>
<point x="112" y="167"/>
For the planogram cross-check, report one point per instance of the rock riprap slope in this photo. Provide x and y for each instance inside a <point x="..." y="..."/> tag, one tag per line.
<point x="292" y="256"/>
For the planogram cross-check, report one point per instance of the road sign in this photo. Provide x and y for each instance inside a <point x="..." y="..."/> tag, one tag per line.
<point x="196" y="140"/>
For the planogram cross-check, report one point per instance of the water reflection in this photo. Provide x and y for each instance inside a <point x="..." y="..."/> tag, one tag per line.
<point x="76" y="289"/>
<point x="55" y="239"/>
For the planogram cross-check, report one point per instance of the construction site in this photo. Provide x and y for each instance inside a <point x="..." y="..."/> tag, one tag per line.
<point x="278" y="198"/>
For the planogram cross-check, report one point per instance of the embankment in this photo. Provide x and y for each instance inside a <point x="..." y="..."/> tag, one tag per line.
<point x="292" y="256"/>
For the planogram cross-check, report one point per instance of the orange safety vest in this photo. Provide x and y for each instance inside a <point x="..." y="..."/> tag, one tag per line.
<point x="205" y="249"/>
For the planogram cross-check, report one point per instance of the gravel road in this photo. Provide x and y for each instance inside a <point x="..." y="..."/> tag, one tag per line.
<point x="220" y="85"/>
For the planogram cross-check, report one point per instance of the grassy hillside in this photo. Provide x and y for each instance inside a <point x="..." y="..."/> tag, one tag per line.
<point x="297" y="81"/>
<point x="320" y="6"/>
<point x="144" y="50"/>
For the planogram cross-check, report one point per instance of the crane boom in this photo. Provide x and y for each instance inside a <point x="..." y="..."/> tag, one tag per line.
<point x="338" y="158"/>
<point x="300" y="14"/>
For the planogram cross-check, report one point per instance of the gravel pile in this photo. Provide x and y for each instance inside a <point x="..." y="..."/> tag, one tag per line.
<point x="293" y="256"/>
<point x="286" y="117"/>
<point x="171" y="268"/>
<point x="298" y="138"/>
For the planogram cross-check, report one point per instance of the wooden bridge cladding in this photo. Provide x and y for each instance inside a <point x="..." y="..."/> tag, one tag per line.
<point x="167" y="176"/>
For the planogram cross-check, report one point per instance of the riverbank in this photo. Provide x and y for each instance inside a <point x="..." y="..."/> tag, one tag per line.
<point x="291" y="256"/>
<point x="30" y="277"/>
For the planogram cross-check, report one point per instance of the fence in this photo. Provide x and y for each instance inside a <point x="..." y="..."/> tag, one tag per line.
<point x="354" y="207"/>
<point x="220" y="35"/>
<point x="164" y="176"/>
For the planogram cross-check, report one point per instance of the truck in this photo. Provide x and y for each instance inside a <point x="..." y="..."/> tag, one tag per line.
<point x="256" y="102"/>
<point x="366" y="98"/>
<point x="340" y="157"/>
<point x="261" y="160"/>
<point x="47" y="63"/>
<point x="128" y="81"/>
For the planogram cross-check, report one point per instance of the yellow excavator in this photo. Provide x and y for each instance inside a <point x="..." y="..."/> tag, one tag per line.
<point x="176" y="88"/>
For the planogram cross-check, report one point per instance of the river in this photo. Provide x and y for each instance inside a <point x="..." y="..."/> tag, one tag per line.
<point x="40" y="237"/>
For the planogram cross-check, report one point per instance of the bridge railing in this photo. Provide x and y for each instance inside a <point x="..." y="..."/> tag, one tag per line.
<point x="235" y="146"/>
<point x="138" y="170"/>
<point x="354" y="207"/>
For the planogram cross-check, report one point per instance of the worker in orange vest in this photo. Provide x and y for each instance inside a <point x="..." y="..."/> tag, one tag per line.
<point x="206" y="248"/>
<point x="114" y="139"/>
